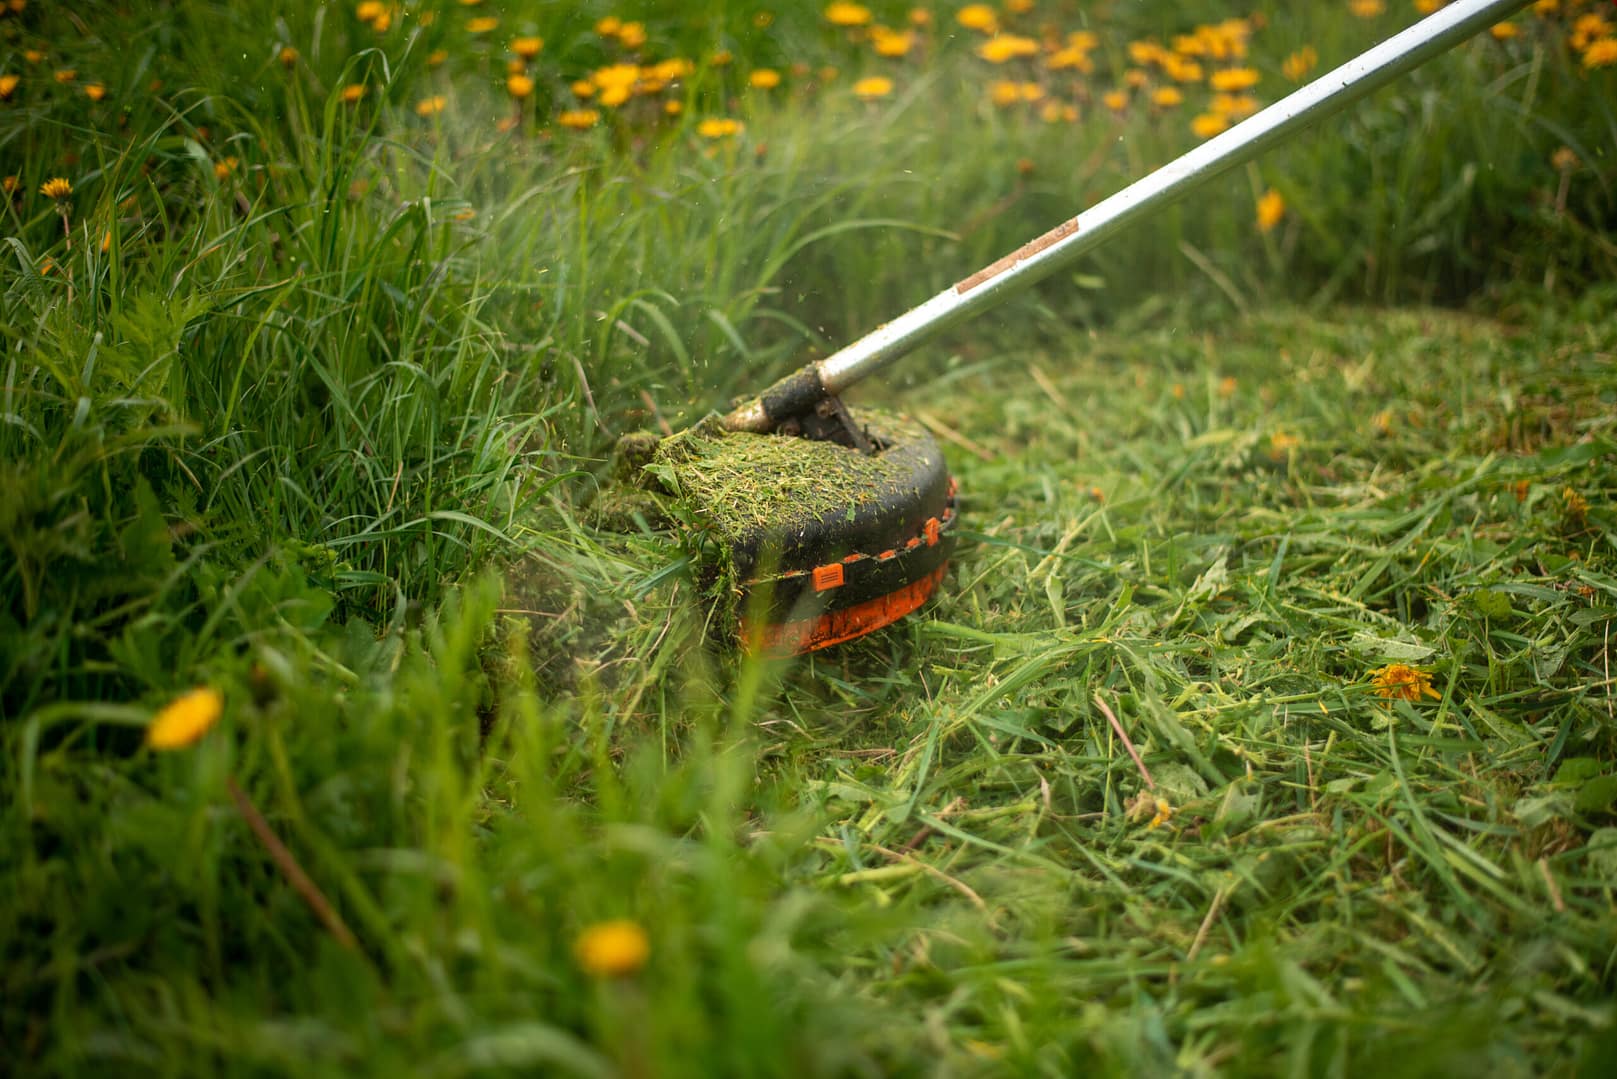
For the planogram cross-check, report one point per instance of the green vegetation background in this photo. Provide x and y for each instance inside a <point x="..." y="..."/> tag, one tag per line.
<point x="301" y="398"/>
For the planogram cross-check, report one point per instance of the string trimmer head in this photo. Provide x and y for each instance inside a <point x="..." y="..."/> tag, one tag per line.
<point x="808" y="541"/>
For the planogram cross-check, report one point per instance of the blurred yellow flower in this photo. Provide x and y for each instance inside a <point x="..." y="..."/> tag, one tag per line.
<point x="609" y="26"/>
<point x="1366" y="9"/>
<point x="845" y="14"/>
<point x="1299" y="63"/>
<point x="1018" y="7"/>
<point x="1166" y="97"/>
<point x="891" y="42"/>
<point x="673" y="108"/>
<point x="873" y="87"/>
<point x="1181" y="70"/>
<point x="34" y="56"/>
<point x="482" y="24"/>
<point x="1546" y="7"/>
<point x="1504" y="31"/>
<point x="287" y="56"/>
<point x="1426" y="7"/>
<point x="632" y="35"/>
<point x="224" y="167"/>
<point x="584" y="88"/>
<point x="436" y="57"/>
<point x="353" y="92"/>
<point x="95" y="91"/>
<point x="579" y="119"/>
<point x="185" y="719"/>
<point x="1271" y="209"/>
<point x="1070" y="57"/>
<point x="66" y="75"/>
<point x="978" y="17"/>
<point x="1564" y="159"/>
<point x="1163" y="813"/>
<point x="519" y="86"/>
<point x="1586" y="28"/>
<point x="1003" y="92"/>
<point x="1233" y="106"/>
<point x="1116" y="100"/>
<point x="1003" y="47"/>
<point x="527" y="47"/>
<point x="612" y="949"/>
<point x="57" y="187"/>
<point x="1234" y="78"/>
<point x="718" y="127"/>
<point x="1208" y="124"/>
<point x="369" y="9"/>
<point x="764" y="78"/>
<point x="920" y="16"/>
<point x="8" y="86"/>
<point x="1399" y="681"/>
<point x="1083" y="39"/>
<point x="430" y="106"/>
<point x="1601" y="52"/>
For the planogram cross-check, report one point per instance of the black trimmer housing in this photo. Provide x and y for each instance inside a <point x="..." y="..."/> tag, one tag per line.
<point x="813" y="542"/>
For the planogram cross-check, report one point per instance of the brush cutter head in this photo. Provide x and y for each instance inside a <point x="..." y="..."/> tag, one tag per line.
<point x="807" y="541"/>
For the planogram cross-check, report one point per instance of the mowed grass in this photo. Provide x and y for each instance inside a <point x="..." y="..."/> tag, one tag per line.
<point x="305" y="400"/>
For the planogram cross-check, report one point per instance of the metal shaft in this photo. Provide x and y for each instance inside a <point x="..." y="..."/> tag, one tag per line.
<point x="1064" y="244"/>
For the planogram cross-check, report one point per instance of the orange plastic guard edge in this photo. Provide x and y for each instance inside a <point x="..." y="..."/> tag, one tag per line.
<point x="834" y="627"/>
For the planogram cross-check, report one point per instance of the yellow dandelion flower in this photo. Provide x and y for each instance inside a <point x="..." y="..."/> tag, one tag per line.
<point x="519" y="86"/>
<point x="765" y="78"/>
<point x="382" y="22"/>
<point x="8" y="86"/>
<point x="10" y="184"/>
<point x="1166" y="97"/>
<point x="1227" y="386"/>
<point x="1546" y="7"/>
<point x="353" y="92"/>
<point x="66" y="75"/>
<point x="95" y="91"/>
<point x="1400" y="681"/>
<point x="1233" y="106"/>
<point x="527" y="47"/>
<point x="1587" y="28"/>
<point x="34" y="56"/>
<point x="673" y="108"/>
<point x="1271" y="209"/>
<point x="869" y="89"/>
<point x="288" y="56"/>
<point x="675" y="68"/>
<point x="632" y="35"/>
<point x="1504" y="31"/>
<point x="482" y="24"/>
<point x="978" y="17"/>
<point x="1426" y="7"/>
<point x="1004" y="47"/>
<point x="57" y="187"/>
<point x="612" y="949"/>
<point x="579" y="119"/>
<point x="223" y="168"/>
<point x="721" y="58"/>
<point x="1299" y="63"/>
<point x="609" y="26"/>
<point x="1003" y="92"/>
<point x="1072" y="58"/>
<point x="1234" y="78"/>
<point x="1577" y="507"/>
<point x="891" y="43"/>
<point x="1565" y="159"/>
<point x="1366" y="9"/>
<point x="185" y="719"/>
<point x="1147" y="52"/>
<point x="584" y="88"/>
<point x="1116" y="100"/>
<point x="370" y="9"/>
<point x="1162" y="813"/>
<point x="431" y="106"/>
<point x="717" y="127"/>
<point x="1182" y="70"/>
<point x="621" y="76"/>
<point x="1018" y="7"/>
<point x="436" y="57"/>
<point x="1601" y="52"/>
<point x="920" y="16"/>
<point x="844" y="14"/>
<point x="1135" y="78"/>
<point x="1086" y="40"/>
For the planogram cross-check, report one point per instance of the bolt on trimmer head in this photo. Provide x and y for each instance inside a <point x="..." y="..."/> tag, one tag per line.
<point x="823" y="527"/>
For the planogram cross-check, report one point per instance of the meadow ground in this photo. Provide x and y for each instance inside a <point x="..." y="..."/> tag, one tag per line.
<point x="1265" y="720"/>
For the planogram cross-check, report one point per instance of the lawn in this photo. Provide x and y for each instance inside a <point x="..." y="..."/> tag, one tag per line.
<point x="1264" y="721"/>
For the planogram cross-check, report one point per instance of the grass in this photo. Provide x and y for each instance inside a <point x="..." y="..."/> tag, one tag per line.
<point x="318" y="428"/>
